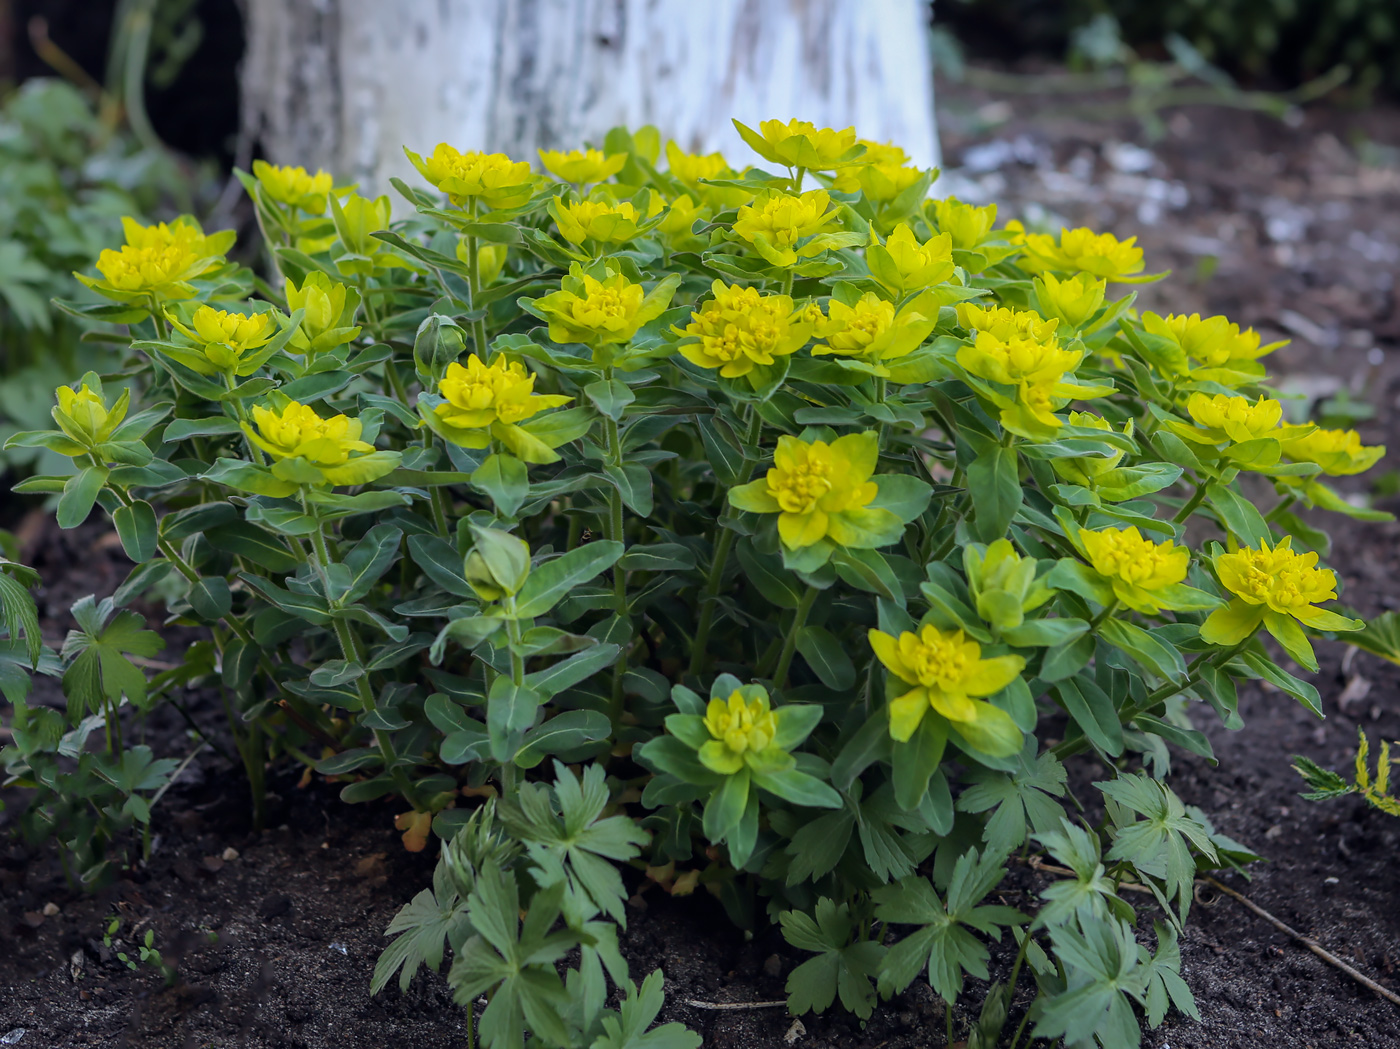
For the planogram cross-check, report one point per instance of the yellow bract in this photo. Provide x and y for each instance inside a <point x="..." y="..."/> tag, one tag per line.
<point x="800" y="143"/>
<point x="308" y="449"/>
<point x="1221" y="418"/>
<point x="1274" y="586"/>
<point x="479" y="395"/>
<point x="822" y="491"/>
<point x="740" y="727"/>
<point x="1213" y="342"/>
<point x="1083" y="250"/>
<point x="1073" y="300"/>
<point x="967" y="224"/>
<point x="582" y="165"/>
<point x="1278" y="577"/>
<point x="294" y="186"/>
<point x="871" y="330"/>
<point x="948" y="674"/>
<point x="1338" y="452"/>
<point x="902" y="264"/>
<point x="83" y="415"/>
<point x="740" y="328"/>
<point x="326" y="320"/>
<point x="1134" y="566"/>
<point x="492" y="178"/>
<point x="226" y="337"/>
<point x="158" y="259"/>
<point x="775" y="222"/>
<point x="600" y="220"/>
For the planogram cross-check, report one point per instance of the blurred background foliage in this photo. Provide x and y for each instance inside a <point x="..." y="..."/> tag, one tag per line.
<point x="1267" y="43"/>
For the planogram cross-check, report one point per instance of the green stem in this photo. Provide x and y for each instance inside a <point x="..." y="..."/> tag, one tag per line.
<point x="1108" y="610"/>
<point x="242" y="415"/>
<point x="881" y="390"/>
<point x="787" y="282"/>
<point x="724" y="542"/>
<point x="1284" y="504"/>
<point x="1217" y="659"/>
<point x="790" y="642"/>
<point x="474" y="282"/>
<point x="1191" y="504"/>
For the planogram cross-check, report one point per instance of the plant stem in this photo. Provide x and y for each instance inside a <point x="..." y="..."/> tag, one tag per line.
<point x="1191" y="504"/>
<point x="790" y="642"/>
<point x="787" y="281"/>
<point x="724" y="542"/>
<point x="1108" y="610"/>
<point x="474" y="281"/>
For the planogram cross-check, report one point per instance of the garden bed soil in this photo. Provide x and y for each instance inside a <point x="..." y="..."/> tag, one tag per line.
<point x="274" y="935"/>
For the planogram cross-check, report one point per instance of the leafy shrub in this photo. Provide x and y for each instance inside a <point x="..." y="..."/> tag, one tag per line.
<point x="765" y="504"/>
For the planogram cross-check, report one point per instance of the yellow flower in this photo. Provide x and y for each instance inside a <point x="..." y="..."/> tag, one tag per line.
<point x="740" y="328"/>
<point x="226" y="338"/>
<point x="967" y="224"/>
<point x="823" y="491"/>
<point x="158" y="260"/>
<point x="582" y="165"/>
<point x="1004" y="584"/>
<point x="948" y="675"/>
<point x="848" y="177"/>
<point x="871" y="330"/>
<point x="1083" y="250"/>
<point x="84" y="417"/>
<point x="680" y="219"/>
<point x="1220" y="418"/>
<point x="1086" y="470"/>
<point x="1137" y="568"/>
<point x="602" y="312"/>
<point x="742" y="732"/>
<point x="1019" y="348"/>
<point x="1073" y="300"/>
<point x="492" y="178"/>
<point x="308" y="449"/>
<point x="799" y="143"/>
<point x="328" y="309"/>
<point x="775" y="222"/>
<point x="484" y="401"/>
<point x="292" y="185"/>
<point x="903" y="265"/>
<point x="1212" y="341"/>
<point x="690" y="168"/>
<point x="1338" y="452"/>
<point x="1274" y="586"/>
<point x="601" y="220"/>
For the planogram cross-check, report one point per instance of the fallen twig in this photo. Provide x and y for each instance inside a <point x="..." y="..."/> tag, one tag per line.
<point x="1308" y="942"/>
<point x="733" y="1007"/>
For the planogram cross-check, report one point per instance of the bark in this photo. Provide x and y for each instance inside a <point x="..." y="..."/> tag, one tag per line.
<point x="345" y="84"/>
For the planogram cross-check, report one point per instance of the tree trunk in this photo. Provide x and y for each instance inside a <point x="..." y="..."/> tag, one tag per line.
<point x="345" y="84"/>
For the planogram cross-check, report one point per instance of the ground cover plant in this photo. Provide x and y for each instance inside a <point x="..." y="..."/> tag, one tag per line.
<point x="786" y="541"/>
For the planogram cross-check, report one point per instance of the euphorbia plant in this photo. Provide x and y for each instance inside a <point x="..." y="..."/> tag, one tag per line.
<point x="918" y="504"/>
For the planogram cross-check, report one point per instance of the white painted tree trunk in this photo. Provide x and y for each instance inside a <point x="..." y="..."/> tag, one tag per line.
<point x="345" y="84"/>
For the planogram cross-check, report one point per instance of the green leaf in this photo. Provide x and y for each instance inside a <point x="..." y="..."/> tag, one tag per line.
<point x="572" y="671"/>
<point x="1093" y="711"/>
<point x="211" y="598"/>
<point x="633" y="482"/>
<point x="506" y="480"/>
<point x="136" y="528"/>
<point x="1239" y="515"/>
<point x="766" y="573"/>
<point x="827" y="658"/>
<point x="1025" y="796"/>
<point x="610" y="397"/>
<point x="994" y="482"/>
<point x="550" y="582"/>
<point x="369" y="559"/>
<point x="841" y="967"/>
<point x="99" y="670"/>
<point x="563" y="732"/>
<point x="79" y="493"/>
<point x="1148" y="650"/>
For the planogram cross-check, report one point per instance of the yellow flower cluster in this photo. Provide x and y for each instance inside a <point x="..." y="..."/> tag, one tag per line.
<point x="294" y="186"/>
<point x="948" y="676"/>
<point x="739" y="328"/>
<point x="308" y="449"/>
<point x="1083" y="250"/>
<point x="1137" y="568"/>
<point x="822" y="491"/>
<point x="1213" y="343"/>
<point x="776" y="222"/>
<point x="158" y="259"/>
<point x="872" y="331"/>
<point x="741" y="730"/>
<point x="493" y="179"/>
<point x="800" y="144"/>
<point x="479" y="400"/>
<point x="225" y="339"/>
<point x="582" y="166"/>
<point x="1340" y="453"/>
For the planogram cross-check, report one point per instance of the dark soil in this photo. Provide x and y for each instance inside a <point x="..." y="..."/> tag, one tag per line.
<point x="275" y="947"/>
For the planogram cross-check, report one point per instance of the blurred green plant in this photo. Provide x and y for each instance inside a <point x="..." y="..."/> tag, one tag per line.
<point x="67" y="175"/>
